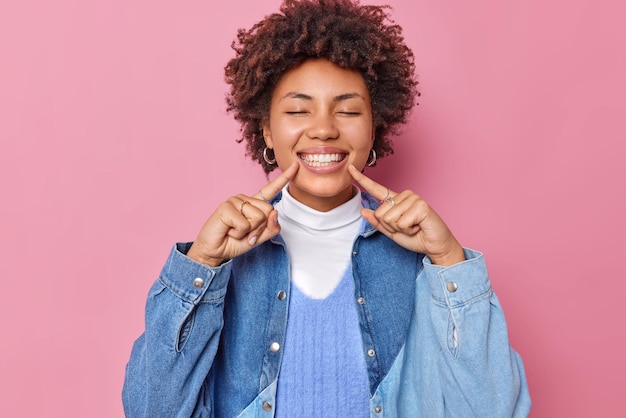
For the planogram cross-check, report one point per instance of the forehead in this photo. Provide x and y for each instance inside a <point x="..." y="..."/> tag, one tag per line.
<point x="320" y="77"/>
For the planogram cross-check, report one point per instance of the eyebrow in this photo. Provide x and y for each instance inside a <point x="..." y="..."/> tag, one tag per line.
<point x="341" y="97"/>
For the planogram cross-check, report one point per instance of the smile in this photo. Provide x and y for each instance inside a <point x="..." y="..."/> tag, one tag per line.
<point x="319" y="160"/>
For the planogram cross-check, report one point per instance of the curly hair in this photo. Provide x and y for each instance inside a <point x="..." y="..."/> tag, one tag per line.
<point x="361" y="38"/>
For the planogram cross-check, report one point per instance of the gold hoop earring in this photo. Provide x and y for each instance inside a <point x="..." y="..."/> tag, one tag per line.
<point x="372" y="161"/>
<point x="271" y="161"/>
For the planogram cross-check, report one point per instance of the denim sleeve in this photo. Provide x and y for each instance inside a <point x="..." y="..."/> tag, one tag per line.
<point x="480" y="374"/>
<point x="166" y="375"/>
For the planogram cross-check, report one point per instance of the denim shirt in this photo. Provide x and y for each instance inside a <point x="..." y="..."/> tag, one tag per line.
<point x="434" y="338"/>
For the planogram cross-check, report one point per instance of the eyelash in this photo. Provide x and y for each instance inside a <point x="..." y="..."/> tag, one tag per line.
<point x="301" y="112"/>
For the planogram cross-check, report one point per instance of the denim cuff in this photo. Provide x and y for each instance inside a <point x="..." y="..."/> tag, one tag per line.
<point x="460" y="283"/>
<point x="193" y="281"/>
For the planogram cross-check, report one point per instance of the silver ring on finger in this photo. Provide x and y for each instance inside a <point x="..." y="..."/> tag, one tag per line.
<point x="260" y="194"/>
<point x="387" y="195"/>
<point x="390" y="201"/>
<point x="242" y="205"/>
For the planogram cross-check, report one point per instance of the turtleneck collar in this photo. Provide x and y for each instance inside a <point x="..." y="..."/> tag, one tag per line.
<point x="310" y="219"/>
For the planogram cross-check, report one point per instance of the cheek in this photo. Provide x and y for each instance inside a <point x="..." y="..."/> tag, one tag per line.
<point x="283" y="143"/>
<point x="365" y="141"/>
<point x="362" y="155"/>
<point x="363" y="146"/>
<point x="361" y="158"/>
<point x="283" y="146"/>
<point x="281" y="138"/>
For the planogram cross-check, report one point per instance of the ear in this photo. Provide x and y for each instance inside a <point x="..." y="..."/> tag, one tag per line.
<point x="267" y="135"/>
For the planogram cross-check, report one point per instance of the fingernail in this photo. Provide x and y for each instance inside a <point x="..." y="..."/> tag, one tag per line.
<point x="252" y="240"/>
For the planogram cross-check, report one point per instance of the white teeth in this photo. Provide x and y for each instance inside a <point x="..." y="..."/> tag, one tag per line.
<point x="320" y="159"/>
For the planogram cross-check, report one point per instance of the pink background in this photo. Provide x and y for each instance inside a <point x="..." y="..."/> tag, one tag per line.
<point x="115" y="144"/>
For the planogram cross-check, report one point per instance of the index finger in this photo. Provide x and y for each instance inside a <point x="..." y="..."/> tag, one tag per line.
<point x="377" y="190"/>
<point x="268" y="191"/>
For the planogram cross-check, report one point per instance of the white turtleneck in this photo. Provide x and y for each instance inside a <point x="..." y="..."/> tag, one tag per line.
<point x="319" y="244"/>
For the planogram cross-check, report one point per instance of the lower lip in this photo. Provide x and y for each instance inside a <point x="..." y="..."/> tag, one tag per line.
<point x="324" y="168"/>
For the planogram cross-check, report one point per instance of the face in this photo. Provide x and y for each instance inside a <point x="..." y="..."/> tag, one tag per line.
<point x="321" y="117"/>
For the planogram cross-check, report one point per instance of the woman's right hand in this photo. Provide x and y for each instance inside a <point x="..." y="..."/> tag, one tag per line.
<point x="240" y="223"/>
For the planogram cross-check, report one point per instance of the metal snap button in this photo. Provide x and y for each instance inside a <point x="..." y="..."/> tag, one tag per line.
<point x="274" y="347"/>
<point x="452" y="287"/>
<point x="198" y="283"/>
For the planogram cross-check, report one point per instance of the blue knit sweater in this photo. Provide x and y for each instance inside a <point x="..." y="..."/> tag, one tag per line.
<point x="323" y="372"/>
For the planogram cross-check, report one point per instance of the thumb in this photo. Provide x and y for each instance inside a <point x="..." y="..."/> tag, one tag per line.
<point x="370" y="216"/>
<point x="272" y="229"/>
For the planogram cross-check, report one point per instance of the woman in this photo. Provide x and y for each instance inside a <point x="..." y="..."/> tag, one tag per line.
<point x="311" y="298"/>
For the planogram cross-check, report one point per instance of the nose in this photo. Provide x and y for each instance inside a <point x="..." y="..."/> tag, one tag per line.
<point x="323" y="127"/>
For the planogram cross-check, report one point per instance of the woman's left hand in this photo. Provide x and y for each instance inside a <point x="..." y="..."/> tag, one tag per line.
<point x="410" y="222"/>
